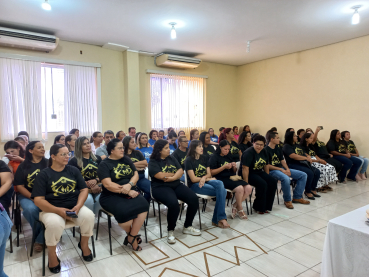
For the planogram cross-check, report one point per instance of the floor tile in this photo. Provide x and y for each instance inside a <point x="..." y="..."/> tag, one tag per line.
<point x="310" y="221"/>
<point x="317" y="268"/>
<point x="265" y="219"/>
<point x="176" y="268"/>
<point x="284" y="213"/>
<point x="309" y="273"/>
<point x="19" y="255"/>
<point x="242" y="270"/>
<point x="315" y="239"/>
<point x="244" y="226"/>
<point x="18" y="270"/>
<point x="80" y="271"/>
<point x="291" y="229"/>
<point x="323" y="230"/>
<point x="269" y="238"/>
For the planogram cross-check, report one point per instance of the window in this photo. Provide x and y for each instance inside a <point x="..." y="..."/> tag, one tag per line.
<point x="177" y="101"/>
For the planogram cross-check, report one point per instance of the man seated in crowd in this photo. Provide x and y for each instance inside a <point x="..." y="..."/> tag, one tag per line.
<point x="101" y="151"/>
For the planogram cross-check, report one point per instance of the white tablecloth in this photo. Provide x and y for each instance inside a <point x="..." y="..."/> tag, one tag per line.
<point x="346" y="246"/>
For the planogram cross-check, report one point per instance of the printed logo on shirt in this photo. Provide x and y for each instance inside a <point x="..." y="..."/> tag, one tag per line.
<point x="299" y="151"/>
<point x="32" y="177"/>
<point x="341" y="148"/>
<point x="351" y="147"/>
<point x="275" y="159"/>
<point x="234" y="150"/>
<point x="259" y="164"/>
<point x="224" y="163"/>
<point x="169" y="169"/>
<point x="183" y="160"/>
<point x="312" y="153"/>
<point x="63" y="186"/>
<point x="200" y="171"/>
<point x="89" y="171"/>
<point x="320" y="143"/>
<point x="134" y="160"/>
<point x="210" y="153"/>
<point x="122" y="170"/>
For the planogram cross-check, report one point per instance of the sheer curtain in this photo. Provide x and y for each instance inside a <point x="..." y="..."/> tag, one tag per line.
<point x="20" y="98"/>
<point x="80" y="99"/>
<point x="177" y="101"/>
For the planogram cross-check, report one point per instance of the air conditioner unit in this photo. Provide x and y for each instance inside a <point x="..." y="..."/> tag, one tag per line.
<point x="27" y="40"/>
<point x="174" y="61"/>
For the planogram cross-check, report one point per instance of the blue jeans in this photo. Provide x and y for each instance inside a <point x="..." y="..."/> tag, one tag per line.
<point x="353" y="164"/>
<point x="144" y="185"/>
<point x="31" y="212"/>
<point x="297" y="175"/>
<point x="93" y="203"/>
<point x="214" y="188"/>
<point x="364" y="164"/>
<point x="183" y="178"/>
<point x="313" y="175"/>
<point x="5" y="227"/>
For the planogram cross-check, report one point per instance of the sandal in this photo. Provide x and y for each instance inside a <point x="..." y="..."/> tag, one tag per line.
<point x="241" y="214"/>
<point x="220" y="225"/>
<point x="38" y="247"/>
<point x="138" y="248"/>
<point x="328" y="188"/>
<point x="139" y="240"/>
<point x="234" y="212"/>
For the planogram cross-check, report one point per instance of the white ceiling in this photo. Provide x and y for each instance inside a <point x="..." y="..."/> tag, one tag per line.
<point x="214" y="30"/>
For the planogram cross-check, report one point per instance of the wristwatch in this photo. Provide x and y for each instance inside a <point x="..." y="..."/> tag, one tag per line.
<point x="132" y="184"/>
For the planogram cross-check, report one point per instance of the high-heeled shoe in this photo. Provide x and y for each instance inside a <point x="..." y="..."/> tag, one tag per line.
<point x="138" y="248"/>
<point x="309" y="197"/>
<point x="87" y="258"/>
<point x="125" y="242"/>
<point x="315" y="194"/>
<point x="55" y="269"/>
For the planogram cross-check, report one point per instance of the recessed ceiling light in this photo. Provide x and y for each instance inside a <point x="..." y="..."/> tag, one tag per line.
<point x="46" y="5"/>
<point x="173" y="33"/>
<point x="356" y="16"/>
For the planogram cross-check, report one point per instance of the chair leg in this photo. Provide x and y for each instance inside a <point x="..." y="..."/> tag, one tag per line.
<point x="74" y="231"/>
<point x="93" y="245"/>
<point x="247" y="207"/>
<point x="98" y="223"/>
<point x="13" y="204"/>
<point x="109" y="227"/>
<point x="277" y="196"/>
<point x="199" y="217"/>
<point x="145" y="232"/>
<point x="11" y="241"/>
<point x="161" y="234"/>
<point x="233" y="195"/>
<point x="43" y="251"/>
<point x="250" y="200"/>
<point x="17" y="224"/>
<point x="153" y="207"/>
<point x="33" y="238"/>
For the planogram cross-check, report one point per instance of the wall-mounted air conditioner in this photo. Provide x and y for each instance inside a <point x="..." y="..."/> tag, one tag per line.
<point x="174" y="61"/>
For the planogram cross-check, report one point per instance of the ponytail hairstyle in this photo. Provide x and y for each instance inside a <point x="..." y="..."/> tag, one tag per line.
<point x="158" y="147"/>
<point x="57" y="138"/>
<point x="78" y="154"/>
<point x="192" y="133"/>
<point x="223" y="135"/>
<point x="29" y="157"/>
<point x="222" y="143"/>
<point x="173" y="135"/>
<point x="94" y="135"/>
<point x="54" y="150"/>
<point x="15" y="145"/>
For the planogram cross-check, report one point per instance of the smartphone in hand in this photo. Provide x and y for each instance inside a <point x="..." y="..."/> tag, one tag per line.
<point x="72" y="214"/>
<point x="321" y="127"/>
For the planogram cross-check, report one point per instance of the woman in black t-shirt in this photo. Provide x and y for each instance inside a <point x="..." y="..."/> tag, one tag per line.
<point x="244" y="141"/>
<point x="223" y="168"/>
<point x="120" y="196"/>
<point x="235" y="151"/>
<point x="140" y="163"/>
<point x="208" y="148"/>
<point x="165" y="172"/>
<point x="255" y="170"/>
<point x="181" y="152"/>
<point x="87" y="163"/>
<point x="59" y="189"/>
<point x="24" y="180"/>
<point x="296" y="159"/>
<point x="6" y="188"/>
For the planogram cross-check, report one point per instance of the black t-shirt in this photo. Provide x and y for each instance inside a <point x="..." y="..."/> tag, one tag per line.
<point x="333" y="145"/>
<point x="255" y="161"/>
<point x="137" y="156"/>
<point x="309" y="150"/>
<point x="89" y="168"/>
<point x="275" y="156"/>
<point x="234" y="151"/>
<point x="208" y="151"/>
<point x="3" y="168"/>
<point x="292" y="149"/>
<point x="60" y="189"/>
<point x="27" y="176"/>
<point x="217" y="161"/>
<point x="168" y="165"/>
<point x="119" y="171"/>
<point x="243" y="147"/>
<point x="198" y="166"/>
<point x="180" y="156"/>
<point x="350" y="145"/>
<point x="321" y="150"/>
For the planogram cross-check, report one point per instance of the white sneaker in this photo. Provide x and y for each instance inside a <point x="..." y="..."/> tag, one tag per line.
<point x="171" y="237"/>
<point x="191" y="231"/>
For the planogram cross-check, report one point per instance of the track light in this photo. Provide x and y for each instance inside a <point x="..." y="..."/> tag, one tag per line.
<point x="356" y="16"/>
<point x="248" y="46"/>
<point x="173" y="33"/>
<point x="46" y="5"/>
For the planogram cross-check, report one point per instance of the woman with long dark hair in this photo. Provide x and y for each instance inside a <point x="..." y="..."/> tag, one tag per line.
<point x="140" y="163"/>
<point x="165" y="172"/>
<point x="194" y="134"/>
<point x="15" y="153"/>
<point x="296" y="159"/>
<point x="171" y="138"/>
<point x="87" y="163"/>
<point x="235" y="133"/>
<point x="74" y="132"/>
<point x="200" y="181"/>
<point x="246" y="128"/>
<point x="96" y="141"/>
<point x="244" y="141"/>
<point x="70" y="142"/>
<point x="6" y="187"/>
<point x="144" y="146"/>
<point x="24" y="180"/>
<point x="59" y="139"/>
<point x="338" y="149"/>
<point x="58" y="189"/>
<point x="235" y="151"/>
<point x="208" y="149"/>
<point x="153" y="135"/>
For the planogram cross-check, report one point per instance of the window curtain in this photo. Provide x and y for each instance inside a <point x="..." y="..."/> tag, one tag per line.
<point x="20" y="98"/>
<point x="80" y="99"/>
<point x="177" y="101"/>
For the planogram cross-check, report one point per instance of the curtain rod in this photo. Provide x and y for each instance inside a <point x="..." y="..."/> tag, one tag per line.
<point x="175" y="73"/>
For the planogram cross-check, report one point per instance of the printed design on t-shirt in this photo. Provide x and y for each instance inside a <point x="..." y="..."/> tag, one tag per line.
<point x="234" y="150"/>
<point x="63" y="186"/>
<point x="32" y="177"/>
<point x="134" y="160"/>
<point x="224" y="163"/>
<point x="341" y="148"/>
<point x="259" y="164"/>
<point x="275" y="159"/>
<point x="183" y="160"/>
<point x="89" y="171"/>
<point x="200" y="171"/>
<point x="351" y="147"/>
<point x="311" y="153"/>
<point x="147" y="155"/>
<point x="210" y="153"/>
<point x="299" y="151"/>
<point x="169" y="169"/>
<point x="122" y="170"/>
<point x="320" y="143"/>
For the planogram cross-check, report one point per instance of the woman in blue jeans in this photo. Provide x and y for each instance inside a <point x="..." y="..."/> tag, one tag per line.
<point x="5" y="228"/>
<point x="24" y="179"/>
<point x="200" y="181"/>
<point x="337" y="147"/>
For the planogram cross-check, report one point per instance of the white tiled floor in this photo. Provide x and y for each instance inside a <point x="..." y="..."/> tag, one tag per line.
<point x="283" y="243"/>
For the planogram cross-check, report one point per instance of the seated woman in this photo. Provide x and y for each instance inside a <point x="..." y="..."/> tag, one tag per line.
<point x="246" y="128"/>
<point x="244" y="141"/>
<point x="194" y="135"/>
<point x="327" y="171"/>
<point x="70" y="142"/>
<point x="96" y="141"/>
<point x="22" y="142"/>
<point x="161" y="134"/>
<point x="235" y="133"/>
<point x="255" y="170"/>
<point x="74" y="132"/>
<point x="24" y="181"/>
<point x="165" y="172"/>
<point x="120" y="135"/>
<point x="140" y="163"/>
<point x="59" y="139"/>
<point x="180" y="133"/>
<point x="171" y="138"/>
<point x="153" y="135"/>
<point x="144" y="146"/>
<point x="338" y="149"/>
<point x="235" y="151"/>
<point x="87" y="163"/>
<point x="220" y="133"/>
<point x="59" y="189"/>
<point x="200" y="181"/>
<point x="6" y="187"/>
<point x="296" y="159"/>
<point x="207" y="147"/>
<point x="213" y="136"/>
<point x="180" y="153"/>
<point x="351" y="147"/>
<point x="223" y="168"/>
<point x="15" y="153"/>
<point x="120" y="196"/>
<point x="300" y="133"/>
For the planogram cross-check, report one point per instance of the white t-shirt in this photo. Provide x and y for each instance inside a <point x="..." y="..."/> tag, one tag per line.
<point x="93" y="149"/>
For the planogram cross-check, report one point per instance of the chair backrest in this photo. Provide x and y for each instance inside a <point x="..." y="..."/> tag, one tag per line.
<point x="185" y="174"/>
<point x="147" y="176"/>
<point x="214" y="146"/>
<point x="238" y="166"/>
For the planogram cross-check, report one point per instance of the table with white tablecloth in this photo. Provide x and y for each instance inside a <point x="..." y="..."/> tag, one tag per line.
<point x="346" y="246"/>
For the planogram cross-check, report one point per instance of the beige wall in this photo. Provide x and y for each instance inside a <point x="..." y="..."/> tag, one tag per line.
<point x="325" y="86"/>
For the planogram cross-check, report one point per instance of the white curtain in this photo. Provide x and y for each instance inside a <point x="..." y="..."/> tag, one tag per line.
<point x="80" y="99"/>
<point x="20" y="98"/>
<point x="177" y="101"/>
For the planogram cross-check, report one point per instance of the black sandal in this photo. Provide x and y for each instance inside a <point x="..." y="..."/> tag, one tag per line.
<point x="139" y="240"/>
<point x="131" y="243"/>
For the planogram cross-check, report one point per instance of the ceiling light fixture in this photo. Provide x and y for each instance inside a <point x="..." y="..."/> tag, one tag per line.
<point x="356" y="16"/>
<point x="173" y="33"/>
<point x="46" y="5"/>
<point x="248" y="46"/>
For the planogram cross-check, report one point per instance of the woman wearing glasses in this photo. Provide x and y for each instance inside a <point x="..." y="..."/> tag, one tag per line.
<point x="180" y="153"/>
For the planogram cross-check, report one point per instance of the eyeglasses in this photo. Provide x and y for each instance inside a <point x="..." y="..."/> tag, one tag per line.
<point x="66" y="155"/>
<point x="184" y="141"/>
<point x="259" y="144"/>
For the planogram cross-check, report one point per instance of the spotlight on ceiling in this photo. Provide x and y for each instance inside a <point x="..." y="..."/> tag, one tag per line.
<point x="46" y="5"/>
<point x="173" y="33"/>
<point x="248" y="46"/>
<point x="356" y="16"/>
